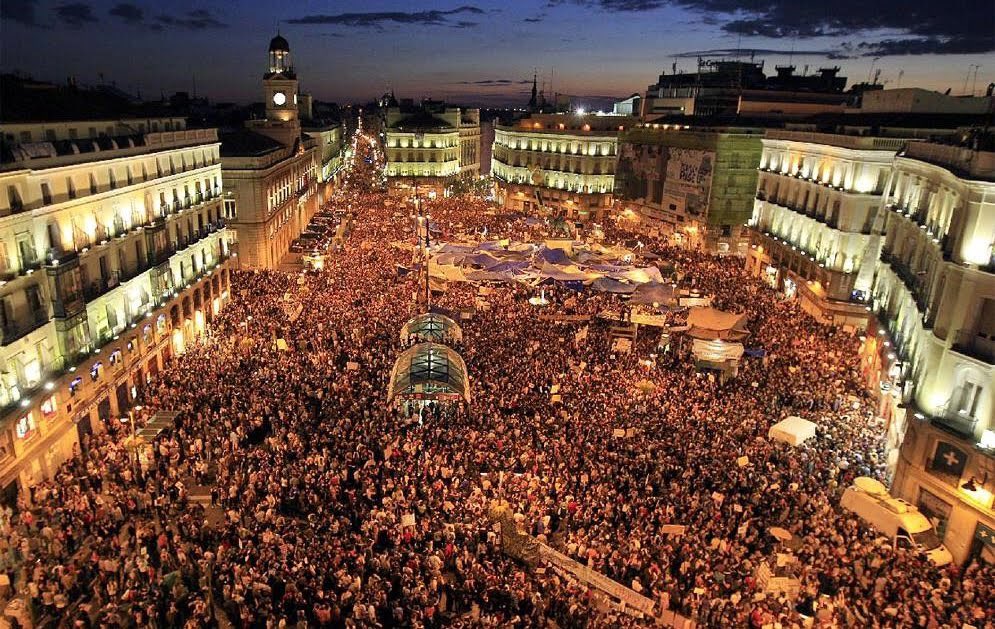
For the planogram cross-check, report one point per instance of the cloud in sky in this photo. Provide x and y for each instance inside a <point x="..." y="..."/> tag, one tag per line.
<point x="196" y="20"/>
<point x="128" y="13"/>
<point x="739" y="52"/>
<point x="20" y="11"/>
<point x="490" y="82"/>
<point x="918" y="27"/>
<point x="378" y="19"/>
<point x="75" y="13"/>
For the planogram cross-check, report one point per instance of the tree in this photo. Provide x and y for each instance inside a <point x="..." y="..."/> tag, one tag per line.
<point x="468" y="184"/>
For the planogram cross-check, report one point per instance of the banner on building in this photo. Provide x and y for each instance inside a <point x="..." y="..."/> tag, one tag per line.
<point x="948" y="462"/>
<point x="674" y="179"/>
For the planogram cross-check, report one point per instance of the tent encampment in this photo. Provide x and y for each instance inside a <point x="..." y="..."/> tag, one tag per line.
<point x="710" y="323"/>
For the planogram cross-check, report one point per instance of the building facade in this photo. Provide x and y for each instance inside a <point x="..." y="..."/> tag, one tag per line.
<point x="113" y="252"/>
<point x="271" y="170"/>
<point x="429" y="144"/>
<point x="469" y="142"/>
<point x="330" y="144"/>
<point x="725" y="87"/>
<point x="694" y="183"/>
<point x="817" y="220"/>
<point x="563" y="164"/>
<point x="934" y="294"/>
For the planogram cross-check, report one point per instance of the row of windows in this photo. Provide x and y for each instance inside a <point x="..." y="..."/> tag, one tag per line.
<point x="848" y="175"/>
<point x="290" y="185"/>
<point x="73" y="187"/>
<point x="557" y="146"/>
<point x="90" y="131"/>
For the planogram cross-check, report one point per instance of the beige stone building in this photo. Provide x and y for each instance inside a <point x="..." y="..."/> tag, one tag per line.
<point x="469" y="142"/>
<point x="113" y="257"/>
<point x="857" y="226"/>
<point x="559" y="163"/>
<point x="271" y="170"/>
<point x="429" y="144"/>
<point x="817" y="224"/>
<point x="934" y="338"/>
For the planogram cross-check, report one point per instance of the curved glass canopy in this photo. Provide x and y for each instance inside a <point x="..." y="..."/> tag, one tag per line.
<point x="432" y="327"/>
<point x="429" y="371"/>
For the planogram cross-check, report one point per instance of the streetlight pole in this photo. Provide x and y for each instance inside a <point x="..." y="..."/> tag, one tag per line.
<point x="422" y="221"/>
<point x="134" y="440"/>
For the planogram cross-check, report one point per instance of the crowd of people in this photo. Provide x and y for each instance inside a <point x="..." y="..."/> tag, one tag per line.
<point x="331" y="507"/>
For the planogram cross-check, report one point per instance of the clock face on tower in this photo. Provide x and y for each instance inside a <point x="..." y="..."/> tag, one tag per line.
<point x="279" y="98"/>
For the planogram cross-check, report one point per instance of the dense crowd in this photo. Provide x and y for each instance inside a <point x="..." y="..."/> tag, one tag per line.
<point x="316" y="478"/>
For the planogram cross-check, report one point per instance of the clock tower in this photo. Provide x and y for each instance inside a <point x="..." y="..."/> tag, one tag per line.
<point x="280" y="83"/>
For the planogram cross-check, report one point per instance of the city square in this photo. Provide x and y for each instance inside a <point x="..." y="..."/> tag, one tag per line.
<point x="413" y="364"/>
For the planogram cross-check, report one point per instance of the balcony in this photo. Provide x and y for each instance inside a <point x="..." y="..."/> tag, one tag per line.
<point x="157" y="257"/>
<point x="832" y="222"/>
<point x="912" y="281"/>
<point x="131" y="273"/>
<point x="956" y="423"/>
<point x="101" y="286"/>
<point x="30" y="266"/>
<point x="973" y="350"/>
<point x="57" y="256"/>
<point x="13" y="331"/>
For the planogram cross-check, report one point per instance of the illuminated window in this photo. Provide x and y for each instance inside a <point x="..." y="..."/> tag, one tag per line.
<point x="95" y="371"/>
<point x="26" y="426"/>
<point x="74" y="386"/>
<point x="49" y="408"/>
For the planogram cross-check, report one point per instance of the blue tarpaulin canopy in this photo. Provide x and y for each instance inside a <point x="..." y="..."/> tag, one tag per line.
<point x="556" y="256"/>
<point x="608" y="285"/>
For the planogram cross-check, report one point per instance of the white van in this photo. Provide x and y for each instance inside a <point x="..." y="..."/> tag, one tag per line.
<point x="905" y="525"/>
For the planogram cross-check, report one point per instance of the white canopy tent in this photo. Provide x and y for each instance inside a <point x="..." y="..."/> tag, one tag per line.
<point x="792" y="430"/>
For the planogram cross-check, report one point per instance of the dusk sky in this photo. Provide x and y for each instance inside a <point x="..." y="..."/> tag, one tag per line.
<point x="484" y="53"/>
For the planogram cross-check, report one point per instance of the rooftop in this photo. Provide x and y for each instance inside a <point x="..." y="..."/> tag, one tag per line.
<point x="49" y="154"/>
<point x="420" y="120"/>
<point x="27" y="100"/>
<point x="843" y="140"/>
<point x="969" y="160"/>
<point x="245" y="143"/>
